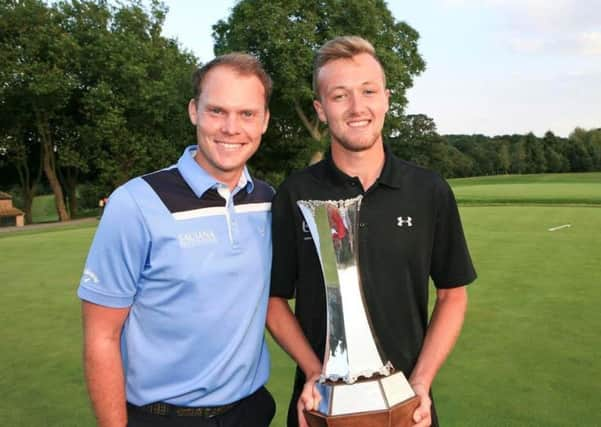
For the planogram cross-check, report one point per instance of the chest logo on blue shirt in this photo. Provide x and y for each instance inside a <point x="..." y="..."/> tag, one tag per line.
<point x="404" y="221"/>
<point x="196" y="238"/>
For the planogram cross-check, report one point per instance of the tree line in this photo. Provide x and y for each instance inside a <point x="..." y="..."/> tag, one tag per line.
<point x="478" y="155"/>
<point x="92" y="94"/>
<point x="89" y="92"/>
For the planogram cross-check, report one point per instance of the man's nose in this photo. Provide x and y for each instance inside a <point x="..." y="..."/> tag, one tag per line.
<point x="357" y="103"/>
<point x="230" y="125"/>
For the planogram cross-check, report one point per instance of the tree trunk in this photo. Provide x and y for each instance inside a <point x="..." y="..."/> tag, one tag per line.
<point x="49" y="165"/>
<point x="50" y="172"/>
<point x="70" y="181"/>
<point x="313" y="129"/>
<point x="27" y="190"/>
<point x="28" y="187"/>
<point x="28" y="195"/>
<point x="316" y="157"/>
<point x="72" y="202"/>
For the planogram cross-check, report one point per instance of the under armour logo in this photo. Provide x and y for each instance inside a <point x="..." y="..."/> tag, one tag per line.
<point x="404" y="221"/>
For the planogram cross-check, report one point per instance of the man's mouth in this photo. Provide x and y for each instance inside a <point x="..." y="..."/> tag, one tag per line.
<point x="230" y="145"/>
<point x="358" y="123"/>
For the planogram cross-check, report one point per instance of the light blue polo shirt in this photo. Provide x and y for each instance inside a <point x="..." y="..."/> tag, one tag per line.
<point x="192" y="261"/>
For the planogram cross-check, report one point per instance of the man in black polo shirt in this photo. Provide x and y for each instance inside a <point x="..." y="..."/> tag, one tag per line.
<point x="409" y="230"/>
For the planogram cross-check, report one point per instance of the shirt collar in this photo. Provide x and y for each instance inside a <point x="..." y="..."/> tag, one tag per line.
<point x="390" y="176"/>
<point x="199" y="180"/>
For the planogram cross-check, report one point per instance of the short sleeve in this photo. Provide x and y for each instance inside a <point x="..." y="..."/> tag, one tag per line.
<point x="117" y="255"/>
<point x="451" y="262"/>
<point x="284" y="263"/>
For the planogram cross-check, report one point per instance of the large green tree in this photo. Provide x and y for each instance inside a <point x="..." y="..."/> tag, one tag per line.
<point x="555" y="149"/>
<point x="284" y="35"/>
<point x="35" y="80"/>
<point x="413" y="141"/>
<point x="535" y="154"/>
<point x="102" y="92"/>
<point x="20" y="161"/>
<point x="584" y="150"/>
<point x="139" y="83"/>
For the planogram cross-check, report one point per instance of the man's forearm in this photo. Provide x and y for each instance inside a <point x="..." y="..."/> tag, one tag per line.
<point x="443" y="330"/>
<point x="102" y="362"/>
<point x="285" y="329"/>
<point x="105" y="381"/>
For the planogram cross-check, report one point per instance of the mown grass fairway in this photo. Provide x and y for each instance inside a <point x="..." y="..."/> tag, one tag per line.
<point x="529" y="354"/>
<point x="530" y="189"/>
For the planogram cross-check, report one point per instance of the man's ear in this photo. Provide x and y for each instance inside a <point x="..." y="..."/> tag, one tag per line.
<point x="266" y="121"/>
<point x="193" y="111"/>
<point x="319" y="110"/>
<point x="387" y="93"/>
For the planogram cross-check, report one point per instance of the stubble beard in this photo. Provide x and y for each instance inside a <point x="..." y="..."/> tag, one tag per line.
<point x="356" y="145"/>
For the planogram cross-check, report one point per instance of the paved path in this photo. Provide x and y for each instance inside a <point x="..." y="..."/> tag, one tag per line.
<point x="48" y="225"/>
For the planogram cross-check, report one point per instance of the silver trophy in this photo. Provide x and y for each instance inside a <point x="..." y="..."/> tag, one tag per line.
<point x="357" y="380"/>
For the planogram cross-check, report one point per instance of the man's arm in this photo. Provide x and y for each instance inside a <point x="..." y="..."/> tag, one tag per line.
<point x="102" y="362"/>
<point x="285" y="329"/>
<point x="443" y="330"/>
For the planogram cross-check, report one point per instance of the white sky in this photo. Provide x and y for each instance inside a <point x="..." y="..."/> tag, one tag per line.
<point x="493" y="66"/>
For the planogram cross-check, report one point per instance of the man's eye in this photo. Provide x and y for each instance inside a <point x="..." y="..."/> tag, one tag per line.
<point x="248" y="114"/>
<point x="369" y="91"/>
<point x="339" y="96"/>
<point x="215" y="110"/>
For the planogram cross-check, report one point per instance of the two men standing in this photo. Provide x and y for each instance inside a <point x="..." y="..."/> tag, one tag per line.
<point x="176" y="283"/>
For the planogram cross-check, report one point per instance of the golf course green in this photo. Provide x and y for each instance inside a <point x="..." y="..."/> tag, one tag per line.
<point x="529" y="353"/>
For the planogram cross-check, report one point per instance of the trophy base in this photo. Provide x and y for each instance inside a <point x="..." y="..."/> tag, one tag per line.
<point x="387" y="401"/>
<point x="400" y="415"/>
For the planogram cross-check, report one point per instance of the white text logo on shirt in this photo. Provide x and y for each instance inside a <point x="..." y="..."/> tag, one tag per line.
<point x="196" y="238"/>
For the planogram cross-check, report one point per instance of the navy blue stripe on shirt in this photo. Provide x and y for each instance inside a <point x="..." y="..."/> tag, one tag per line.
<point x="177" y="196"/>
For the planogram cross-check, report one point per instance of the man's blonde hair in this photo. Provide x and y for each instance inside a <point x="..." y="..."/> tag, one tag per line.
<point x="344" y="47"/>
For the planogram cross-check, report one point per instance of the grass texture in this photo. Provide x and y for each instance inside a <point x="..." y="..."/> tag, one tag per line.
<point x="529" y="353"/>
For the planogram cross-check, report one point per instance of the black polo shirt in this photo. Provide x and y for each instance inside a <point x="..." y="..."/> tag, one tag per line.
<point x="409" y="230"/>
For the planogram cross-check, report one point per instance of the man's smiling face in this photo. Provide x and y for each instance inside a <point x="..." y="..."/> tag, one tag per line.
<point x="230" y="117"/>
<point x="353" y="101"/>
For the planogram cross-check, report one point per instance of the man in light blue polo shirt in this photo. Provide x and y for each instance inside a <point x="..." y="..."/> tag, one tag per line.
<point x="176" y="282"/>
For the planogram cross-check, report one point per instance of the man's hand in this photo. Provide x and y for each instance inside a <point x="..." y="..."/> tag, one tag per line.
<point x="422" y="416"/>
<point x="309" y="399"/>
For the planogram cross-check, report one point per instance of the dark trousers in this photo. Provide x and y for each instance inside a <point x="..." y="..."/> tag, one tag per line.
<point x="256" y="410"/>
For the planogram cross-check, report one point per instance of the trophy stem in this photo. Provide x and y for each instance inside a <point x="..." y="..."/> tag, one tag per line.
<point x="351" y="351"/>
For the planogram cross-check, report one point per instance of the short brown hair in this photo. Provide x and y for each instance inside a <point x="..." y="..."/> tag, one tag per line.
<point x="340" y="48"/>
<point x="242" y="63"/>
